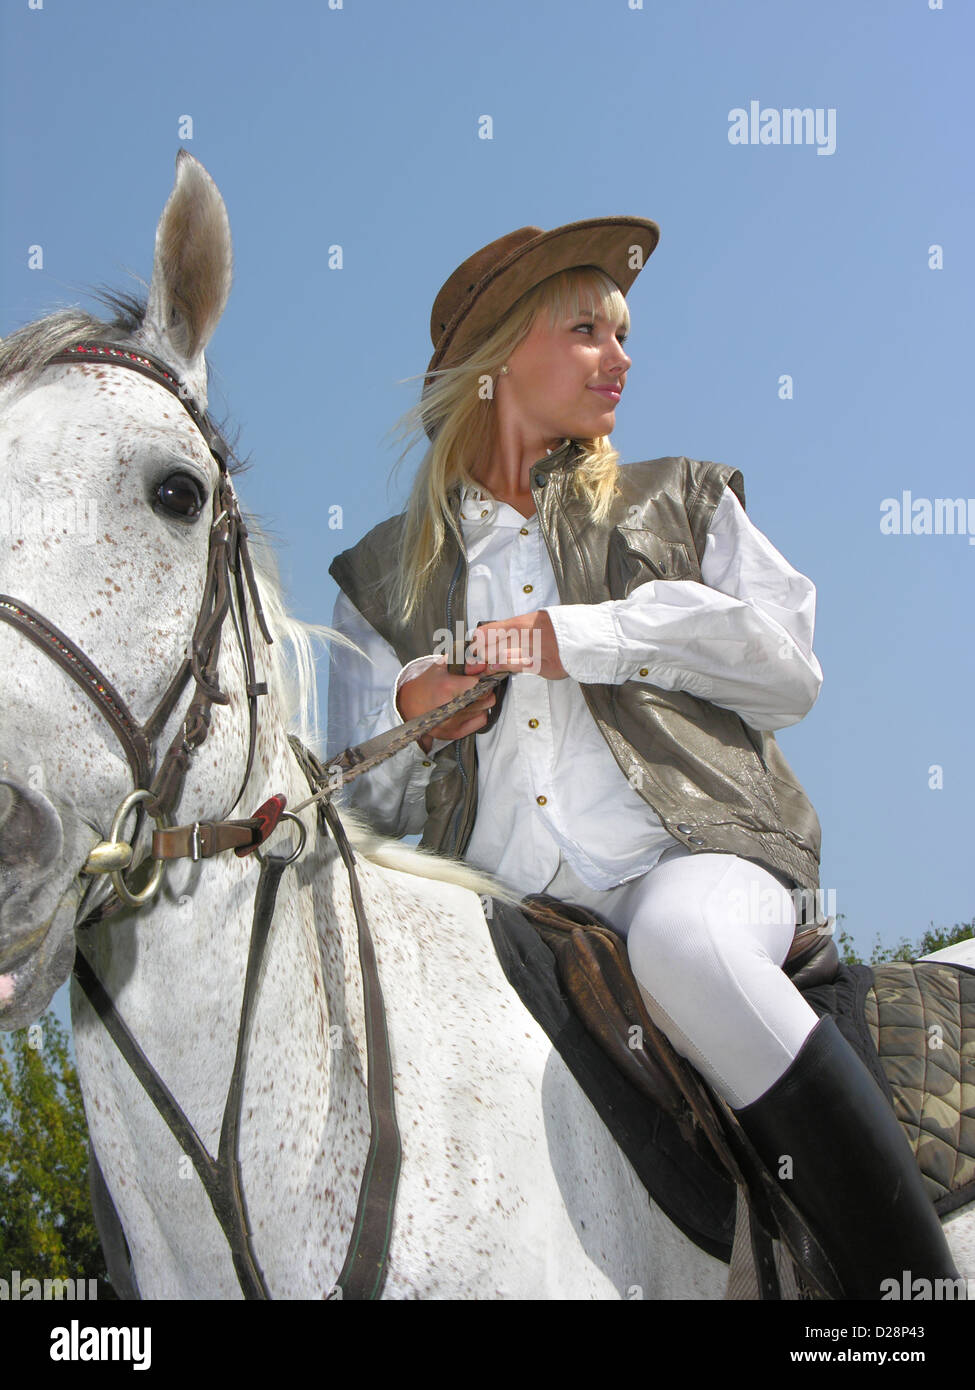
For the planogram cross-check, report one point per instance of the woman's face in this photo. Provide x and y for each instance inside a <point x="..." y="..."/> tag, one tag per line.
<point x="565" y="378"/>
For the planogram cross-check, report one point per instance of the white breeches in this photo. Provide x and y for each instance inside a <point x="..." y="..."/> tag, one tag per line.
<point x="706" y="935"/>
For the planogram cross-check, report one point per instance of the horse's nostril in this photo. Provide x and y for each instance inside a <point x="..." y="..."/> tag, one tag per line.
<point x="30" y="828"/>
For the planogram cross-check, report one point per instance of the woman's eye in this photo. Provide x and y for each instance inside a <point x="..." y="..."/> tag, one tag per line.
<point x="181" y="495"/>
<point x="587" y="327"/>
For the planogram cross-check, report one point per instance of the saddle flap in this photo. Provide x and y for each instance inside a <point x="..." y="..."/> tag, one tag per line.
<point x="595" y="973"/>
<point x="812" y="960"/>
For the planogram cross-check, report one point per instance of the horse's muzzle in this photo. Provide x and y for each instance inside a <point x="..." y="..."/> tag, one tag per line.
<point x="31" y="842"/>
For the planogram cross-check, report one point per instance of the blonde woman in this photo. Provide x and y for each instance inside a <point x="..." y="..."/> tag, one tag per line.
<point x="654" y="640"/>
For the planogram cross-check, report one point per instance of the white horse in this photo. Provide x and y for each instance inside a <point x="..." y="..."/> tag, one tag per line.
<point x="510" y="1186"/>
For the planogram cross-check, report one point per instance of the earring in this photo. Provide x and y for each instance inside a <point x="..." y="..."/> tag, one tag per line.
<point x="505" y="371"/>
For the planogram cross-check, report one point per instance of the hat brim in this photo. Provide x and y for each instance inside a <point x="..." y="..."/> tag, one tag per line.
<point x="619" y="246"/>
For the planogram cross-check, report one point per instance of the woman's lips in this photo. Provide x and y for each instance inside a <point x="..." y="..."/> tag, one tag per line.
<point x="612" y="393"/>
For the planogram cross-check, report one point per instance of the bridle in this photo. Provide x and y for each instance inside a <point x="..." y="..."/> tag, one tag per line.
<point x="228" y="565"/>
<point x="229" y="572"/>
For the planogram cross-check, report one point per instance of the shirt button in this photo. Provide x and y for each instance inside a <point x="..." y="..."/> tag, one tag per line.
<point x="533" y="723"/>
<point x="523" y="531"/>
<point x="685" y="829"/>
<point x="644" y="671"/>
<point x="527" y="588"/>
<point x="542" y="800"/>
<point x="425" y="763"/>
<point x="484" y="513"/>
<point x="539" y="479"/>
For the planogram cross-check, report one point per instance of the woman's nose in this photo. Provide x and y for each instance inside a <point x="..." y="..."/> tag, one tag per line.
<point x="616" y="359"/>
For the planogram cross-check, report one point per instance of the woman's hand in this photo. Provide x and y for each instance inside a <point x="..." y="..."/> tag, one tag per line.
<point x="520" y="644"/>
<point x="517" y="645"/>
<point x="434" y="687"/>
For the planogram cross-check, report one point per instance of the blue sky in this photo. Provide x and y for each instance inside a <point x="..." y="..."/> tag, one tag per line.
<point x="358" y="127"/>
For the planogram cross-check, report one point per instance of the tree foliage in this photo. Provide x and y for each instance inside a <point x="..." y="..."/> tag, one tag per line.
<point x="47" y="1229"/>
<point x="934" y="939"/>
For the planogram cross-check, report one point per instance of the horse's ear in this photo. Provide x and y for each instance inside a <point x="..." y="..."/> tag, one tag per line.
<point x="191" y="274"/>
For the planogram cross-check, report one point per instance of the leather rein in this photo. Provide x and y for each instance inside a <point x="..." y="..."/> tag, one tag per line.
<point x="157" y="792"/>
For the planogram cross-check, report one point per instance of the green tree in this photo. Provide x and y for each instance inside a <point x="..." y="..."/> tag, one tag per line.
<point x="934" y="939"/>
<point x="48" y="1230"/>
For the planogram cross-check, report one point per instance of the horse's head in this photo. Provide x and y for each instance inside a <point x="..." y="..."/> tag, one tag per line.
<point x="107" y="488"/>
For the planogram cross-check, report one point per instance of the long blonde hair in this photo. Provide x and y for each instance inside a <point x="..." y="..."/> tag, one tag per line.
<point x="456" y="412"/>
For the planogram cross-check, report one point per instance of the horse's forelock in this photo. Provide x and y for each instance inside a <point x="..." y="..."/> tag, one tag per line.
<point x="28" y="350"/>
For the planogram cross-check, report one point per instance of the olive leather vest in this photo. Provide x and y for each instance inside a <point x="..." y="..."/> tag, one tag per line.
<point x="717" y="784"/>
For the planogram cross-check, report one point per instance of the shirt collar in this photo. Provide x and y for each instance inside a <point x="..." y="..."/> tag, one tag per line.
<point x="476" y="506"/>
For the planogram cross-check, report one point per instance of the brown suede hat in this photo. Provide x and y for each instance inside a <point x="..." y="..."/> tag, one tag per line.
<point x="482" y="290"/>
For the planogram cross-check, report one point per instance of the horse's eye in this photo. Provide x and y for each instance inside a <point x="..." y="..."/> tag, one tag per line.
<point x="181" y="495"/>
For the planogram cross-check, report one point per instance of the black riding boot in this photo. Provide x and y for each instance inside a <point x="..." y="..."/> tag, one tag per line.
<point x="853" y="1175"/>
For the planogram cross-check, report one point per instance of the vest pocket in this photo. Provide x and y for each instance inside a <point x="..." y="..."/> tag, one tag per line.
<point x="638" y="556"/>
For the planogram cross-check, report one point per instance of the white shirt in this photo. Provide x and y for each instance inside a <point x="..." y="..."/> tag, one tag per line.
<point x="742" y="639"/>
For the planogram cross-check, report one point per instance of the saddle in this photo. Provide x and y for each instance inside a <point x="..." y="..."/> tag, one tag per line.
<point x="572" y="972"/>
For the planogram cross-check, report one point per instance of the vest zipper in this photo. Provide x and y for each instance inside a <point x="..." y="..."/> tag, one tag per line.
<point x="458" y="832"/>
